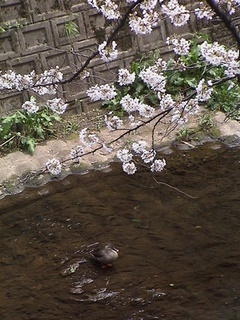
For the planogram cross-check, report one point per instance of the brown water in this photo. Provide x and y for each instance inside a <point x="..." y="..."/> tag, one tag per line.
<point x="179" y="257"/>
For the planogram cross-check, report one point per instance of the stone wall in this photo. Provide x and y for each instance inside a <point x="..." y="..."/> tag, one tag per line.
<point x="35" y="38"/>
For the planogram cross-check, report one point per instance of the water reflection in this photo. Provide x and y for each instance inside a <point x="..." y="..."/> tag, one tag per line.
<point x="179" y="257"/>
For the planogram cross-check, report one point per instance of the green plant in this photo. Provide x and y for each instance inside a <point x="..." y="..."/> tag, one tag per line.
<point x="206" y="123"/>
<point x="226" y="97"/>
<point x="23" y="130"/>
<point x="184" y="134"/>
<point x="71" y="29"/>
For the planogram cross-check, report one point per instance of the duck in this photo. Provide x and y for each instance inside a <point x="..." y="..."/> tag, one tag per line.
<point x="106" y="255"/>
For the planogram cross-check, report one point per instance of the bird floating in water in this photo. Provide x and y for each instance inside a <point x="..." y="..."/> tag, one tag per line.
<point x="106" y="255"/>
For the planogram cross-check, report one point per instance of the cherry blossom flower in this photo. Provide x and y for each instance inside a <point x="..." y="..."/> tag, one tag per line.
<point x="157" y="81"/>
<point x="30" y="106"/>
<point x="145" y="24"/>
<point x="114" y="123"/>
<point x="88" y="139"/>
<point x="94" y="4"/>
<point x="177" y="14"/>
<point x="148" y="4"/>
<point x="166" y="101"/>
<point x="129" y="167"/>
<point x="145" y="110"/>
<point x="110" y="10"/>
<point x="229" y="5"/>
<point x="7" y="80"/>
<point x="102" y="92"/>
<point x="160" y="65"/>
<point x="178" y="117"/>
<point x="129" y="104"/>
<point x="107" y="7"/>
<point x="158" y="165"/>
<point x="139" y="147"/>
<point x="180" y="46"/>
<point x="76" y="153"/>
<point x="214" y="53"/>
<point x="54" y="166"/>
<point x="148" y="155"/>
<point x="108" y="53"/>
<point x="124" y="155"/>
<point x="125" y="77"/>
<point x="203" y="91"/>
<point x="47" y="82"/>
<point x="57" y="105"/>
<point x="204" y="11"/>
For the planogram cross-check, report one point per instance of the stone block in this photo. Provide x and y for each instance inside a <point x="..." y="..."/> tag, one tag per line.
<point x="88" y="105"/>
<point x="62" y="58"/>
<point x="83" y="49"/>
<point x="152" y="41"/>
<point x="9" y="45"/>
<point x="75" y="6"/>
<point x="59" y="29"/>
<point x="43" y="10"/>
<point x="12" y="11"/>
<point x="107" y="73"/>
<point x="76" y="89"/>
<point x="12" y="102"/>
<point x="25" y="65"/>
<point x="35" y="38"/>
<point x="96" y="25"/>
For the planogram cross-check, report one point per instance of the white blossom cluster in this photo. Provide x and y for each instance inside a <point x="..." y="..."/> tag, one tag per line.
<point x="54" y="166"/>
<point x="12" y="80"/>
<point x="182" y="109"/>
<point x="154" y="79"/>
<point x="166" y="101"/>
<point x="87" y="138"/>
<point x="108" y="8"/>
<point x="148" y="157"/>
<point x="144" y="24"/>
<point x="57" y="105"/>
<point x="113" y="123"/>
<point x="47" y="82"/>
<point x="130" y="105"/>
<point x="30" y="106"/>
<point x="229" y="4"/>
<point x="108" y="53"/>
<point x="178" y="14"/>
<point x="102" y="92"/>
<point x="180" y="46"/>
<point x="76" y="153"/>
<point x="204" y="11"/>
<point x="204" y="90"/>
<point x="125" y="77"/>
<point x="217" y="55"/>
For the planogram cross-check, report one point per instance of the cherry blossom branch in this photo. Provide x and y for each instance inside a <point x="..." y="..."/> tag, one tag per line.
<point x="226" y="20"/>
<point x="109" y="40"/>
<point x="162" y="114"/>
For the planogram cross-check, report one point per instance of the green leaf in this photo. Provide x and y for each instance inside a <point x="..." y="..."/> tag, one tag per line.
<point x="29" y="144"/>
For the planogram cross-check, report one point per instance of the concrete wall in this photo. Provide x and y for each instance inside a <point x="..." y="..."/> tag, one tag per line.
<point x="36" y="39"/>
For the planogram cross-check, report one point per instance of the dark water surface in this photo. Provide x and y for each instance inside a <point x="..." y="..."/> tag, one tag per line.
<point x="179" y="257"/>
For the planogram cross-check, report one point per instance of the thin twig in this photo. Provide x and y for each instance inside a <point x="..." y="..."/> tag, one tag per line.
<point x="1" y="145"/>
<point x="174" y="188"/>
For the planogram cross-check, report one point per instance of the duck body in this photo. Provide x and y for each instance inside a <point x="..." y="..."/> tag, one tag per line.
<point x="106" y="255"/>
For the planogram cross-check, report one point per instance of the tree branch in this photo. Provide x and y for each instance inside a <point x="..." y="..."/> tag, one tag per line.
<point x="109" y="40"/>
<point x="226" y="20"/>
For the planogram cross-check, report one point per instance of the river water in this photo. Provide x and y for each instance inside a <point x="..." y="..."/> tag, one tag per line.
<point x="179" y="256"/>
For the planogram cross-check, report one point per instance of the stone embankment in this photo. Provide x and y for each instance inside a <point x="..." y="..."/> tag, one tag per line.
<point x="17" y="168"/>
